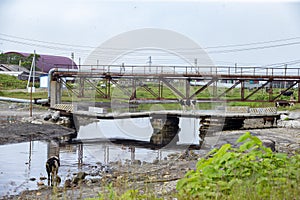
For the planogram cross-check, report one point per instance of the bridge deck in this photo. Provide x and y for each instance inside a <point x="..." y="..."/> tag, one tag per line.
<point x="175" y="113"/>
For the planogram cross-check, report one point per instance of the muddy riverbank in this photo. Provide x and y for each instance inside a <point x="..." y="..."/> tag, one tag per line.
<point x="16" y="125"/>
<point x="158" y="174"/>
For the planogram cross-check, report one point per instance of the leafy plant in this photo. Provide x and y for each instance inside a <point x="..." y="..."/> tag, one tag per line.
<point x="252" y="170"/>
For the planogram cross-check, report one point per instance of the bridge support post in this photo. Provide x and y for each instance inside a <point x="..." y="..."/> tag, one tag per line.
<point x="165" y="130"/>
<point x="81" y="87"/>
<point x="55" y="93"/>
<point x="210" y="125"/>
<point x="298" y="100"/>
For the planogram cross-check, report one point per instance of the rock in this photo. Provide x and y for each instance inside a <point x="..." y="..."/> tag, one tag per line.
<point x="40" y="183"/>
<point x="13" y="106"/>
<point x="269" y="144"/>
<point x="43" y="178"/>
<point x="156" y="161"/>
<point x="57" y="180"/>
<point x="36" y="122"/>
<point x="136" y="162"/>
<point x="46" y="116"/>
<point x="68" y="183"/>
<point x="38" y="194"/>
<point x="32" y="179"/>
<point x="284" y="117"/>
<point x="89" y="183"/>
<point x="79" y="177"/>
<point x="55" y="116"/>
<point x="64" y="121"/>
<point x="289" y="124"/>
<point x="27" y="119"/>
<point x="95" y="180"/>
<point x="294" y="115"/>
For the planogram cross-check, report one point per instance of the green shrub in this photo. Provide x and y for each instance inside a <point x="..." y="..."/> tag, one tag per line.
<point x="11" y="82"/>
<point x="251" y="171"/>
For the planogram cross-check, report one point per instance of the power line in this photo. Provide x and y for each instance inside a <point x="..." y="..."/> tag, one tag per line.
<point x="40" y="41"/>
<point x="185" y="49"/>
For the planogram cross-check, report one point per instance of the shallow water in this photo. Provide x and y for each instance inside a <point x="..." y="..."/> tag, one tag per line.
<point x="22" y="161"/>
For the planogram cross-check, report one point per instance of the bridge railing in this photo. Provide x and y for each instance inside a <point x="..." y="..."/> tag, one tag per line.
<point x="210" y="70"/>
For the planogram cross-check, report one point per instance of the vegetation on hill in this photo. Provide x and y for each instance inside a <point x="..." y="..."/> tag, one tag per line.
<point x="15" y="59"/>
<point x="11" y="82"/>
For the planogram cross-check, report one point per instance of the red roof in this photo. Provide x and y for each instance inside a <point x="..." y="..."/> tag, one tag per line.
<point x="47" y="62"/>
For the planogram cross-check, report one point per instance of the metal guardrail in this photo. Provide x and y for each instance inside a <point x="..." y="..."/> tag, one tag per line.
<point x="284" y="71"/>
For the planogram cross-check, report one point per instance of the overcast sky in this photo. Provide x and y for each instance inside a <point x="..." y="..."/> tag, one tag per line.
<point x="91" y="23"/>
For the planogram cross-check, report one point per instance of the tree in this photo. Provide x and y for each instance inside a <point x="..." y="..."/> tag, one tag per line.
<point x="15" y="59"/>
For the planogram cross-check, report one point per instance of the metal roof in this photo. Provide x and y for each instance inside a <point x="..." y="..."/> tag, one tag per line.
<point x="47" y="62"/>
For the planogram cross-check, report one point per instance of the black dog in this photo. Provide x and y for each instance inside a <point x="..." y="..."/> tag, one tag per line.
<point x="52" y="166"/>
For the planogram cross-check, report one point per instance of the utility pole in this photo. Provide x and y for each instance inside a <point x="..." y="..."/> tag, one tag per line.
<point x="235" y="67"/>
<point x="150" y="62"/>
<point x="285" y="68"/>
<point x="79" y="62"/>
<point x="196" y="63"/>
<point x="72" y="57"/>
<point x="31" y="73"/>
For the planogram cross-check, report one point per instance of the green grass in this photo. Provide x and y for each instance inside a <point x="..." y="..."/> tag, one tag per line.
<point x="11" y="82"/>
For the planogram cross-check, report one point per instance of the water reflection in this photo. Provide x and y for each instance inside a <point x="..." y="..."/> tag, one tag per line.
<point x="23" y="161"/>
<point x="138" y="129"/>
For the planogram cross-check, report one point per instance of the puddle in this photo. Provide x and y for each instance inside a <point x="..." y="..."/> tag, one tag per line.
<point x="22" y="161"/>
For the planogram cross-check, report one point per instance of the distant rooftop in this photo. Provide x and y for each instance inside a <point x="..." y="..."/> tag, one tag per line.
<point x="47" y="62"/>
<point x="12" y="68"/>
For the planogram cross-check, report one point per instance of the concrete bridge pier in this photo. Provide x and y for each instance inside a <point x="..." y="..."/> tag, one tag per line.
<point x="165" y="130"/>
<point x="55" y="93"/>
<point x="210" y="125"/>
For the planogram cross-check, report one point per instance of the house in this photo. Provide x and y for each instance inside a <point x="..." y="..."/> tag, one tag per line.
<point x="18" y="71"/>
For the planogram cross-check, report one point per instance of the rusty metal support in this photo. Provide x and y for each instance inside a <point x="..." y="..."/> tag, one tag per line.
<point x="270" y="91"/>
<point x="187" y="88"/>
<point x="298" y="92"/>
<point x="168" y="84"/>
<point x="242" y="90"/>
<point x="160" y="89"/>
<point x="168" y="79"/>
<point x="283" y="91"/>
<point x="96" y="88"/>
<point x="108" y="87"/>
<point x="133" y="92"/>
<point x="259" y="88"/>
<point x="202" y="88"/>
<point x="124" y="90"/>
<point x="232" y="87"/>
<point x="146" y="88"/>
<point x="81" y="87"/>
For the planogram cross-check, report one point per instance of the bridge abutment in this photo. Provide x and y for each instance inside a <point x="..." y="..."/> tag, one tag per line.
<point x="210" y="125"/>
<point x="56" y="93"/>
